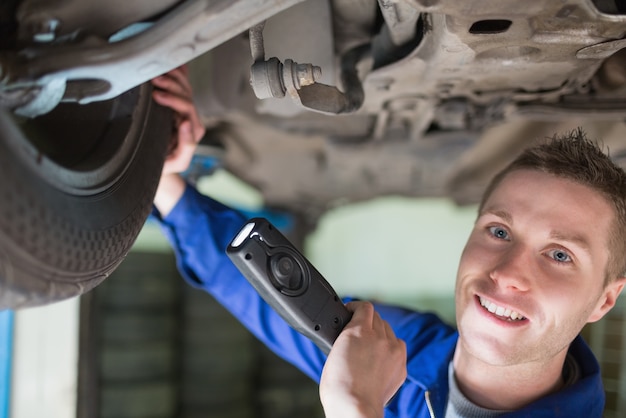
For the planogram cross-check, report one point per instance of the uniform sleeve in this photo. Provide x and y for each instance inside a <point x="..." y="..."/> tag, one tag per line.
<point x="199" y="230"/>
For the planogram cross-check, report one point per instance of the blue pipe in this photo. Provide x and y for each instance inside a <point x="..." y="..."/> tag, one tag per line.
<point x="6" y="348"/>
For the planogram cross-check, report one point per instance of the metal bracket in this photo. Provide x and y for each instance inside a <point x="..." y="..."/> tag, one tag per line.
<point x="273" y="79"/>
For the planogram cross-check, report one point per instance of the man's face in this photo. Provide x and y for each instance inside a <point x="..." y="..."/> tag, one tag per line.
<point x="532" y="272"/>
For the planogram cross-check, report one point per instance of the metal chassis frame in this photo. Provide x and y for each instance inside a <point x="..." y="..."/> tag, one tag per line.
<point x="109" y="69"/>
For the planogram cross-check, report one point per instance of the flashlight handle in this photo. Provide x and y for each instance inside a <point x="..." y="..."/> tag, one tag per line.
<point x="288" y="282"/>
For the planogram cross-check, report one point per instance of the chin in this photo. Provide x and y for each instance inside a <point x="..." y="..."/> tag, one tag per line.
<point x="489" y="347"/>
<point x="493" y="353"/>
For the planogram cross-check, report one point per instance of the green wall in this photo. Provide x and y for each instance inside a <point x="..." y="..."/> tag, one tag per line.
<point x="394" y="249"/>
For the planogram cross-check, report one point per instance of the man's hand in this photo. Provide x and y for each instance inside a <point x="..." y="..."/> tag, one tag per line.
<point x="173" y="90"/>
<point x="365" y="367"/>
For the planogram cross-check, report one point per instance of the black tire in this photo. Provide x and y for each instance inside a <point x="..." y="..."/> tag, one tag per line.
<point x="76" y="187"/>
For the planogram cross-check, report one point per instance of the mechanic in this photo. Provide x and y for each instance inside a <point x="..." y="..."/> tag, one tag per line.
<point x="545" y="257"/>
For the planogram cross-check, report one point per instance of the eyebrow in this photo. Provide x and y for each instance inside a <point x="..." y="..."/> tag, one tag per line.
<point x="499" y="213"/>
<point x="577" y="239"/>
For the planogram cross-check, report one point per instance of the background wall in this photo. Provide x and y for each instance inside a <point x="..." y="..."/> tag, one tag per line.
<point x="394" y="249"/>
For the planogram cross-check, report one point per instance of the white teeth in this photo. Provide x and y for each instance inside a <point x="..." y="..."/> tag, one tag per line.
<point x="500" y="311"/>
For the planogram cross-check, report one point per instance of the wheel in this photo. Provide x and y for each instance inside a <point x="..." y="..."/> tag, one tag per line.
<point x="76" y="187"/>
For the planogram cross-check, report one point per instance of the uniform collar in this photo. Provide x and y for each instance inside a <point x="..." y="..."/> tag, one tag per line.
<point x="429" y="370"/>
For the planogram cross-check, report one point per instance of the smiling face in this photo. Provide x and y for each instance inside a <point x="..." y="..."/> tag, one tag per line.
<point x="532" y="272"/>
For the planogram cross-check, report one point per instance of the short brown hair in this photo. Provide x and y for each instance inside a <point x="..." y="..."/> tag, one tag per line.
<point x="572" y="156"/>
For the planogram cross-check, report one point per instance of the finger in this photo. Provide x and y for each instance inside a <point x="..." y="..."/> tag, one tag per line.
<point x="177" y="77"/>
<point x="388" y="330"/>
<point x="378" y="324"/>
<point x="176" y="85"/>
<point x="179" y="104"/>
<point x="351" y="306"/>
<point x="182" y="70"/>
<point x="362" y="313"/>
<point x="185" y="133"/>
<point x="173" y="86"/>
<point x="174" y="152"/>
<point x="360" y="307"/>
<point x="181" y="77"/>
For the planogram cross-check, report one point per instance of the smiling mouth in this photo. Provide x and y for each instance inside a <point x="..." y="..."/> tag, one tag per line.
<point x="501" y="312"/>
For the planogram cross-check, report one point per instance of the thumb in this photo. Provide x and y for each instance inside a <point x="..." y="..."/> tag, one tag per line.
<point x="185" y="135"/>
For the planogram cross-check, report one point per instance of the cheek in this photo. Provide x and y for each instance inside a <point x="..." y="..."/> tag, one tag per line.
<point x="476" y="255"/>
<point x="465" y="265"/>
<point x="470" y="248"/>
<point x="472" y="264"/>
<point x="570" y="285"/>
<point x="568" y="303"/>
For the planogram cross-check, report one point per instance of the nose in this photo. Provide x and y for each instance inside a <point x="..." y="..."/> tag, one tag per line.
<point x="513" y="269"/>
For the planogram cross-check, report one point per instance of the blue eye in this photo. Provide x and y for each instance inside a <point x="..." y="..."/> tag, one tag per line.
<point x="499" y="232"/>
<point x="560" y="256"/>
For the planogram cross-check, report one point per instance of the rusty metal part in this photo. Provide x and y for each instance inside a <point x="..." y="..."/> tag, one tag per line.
<point x="273" y="79"/>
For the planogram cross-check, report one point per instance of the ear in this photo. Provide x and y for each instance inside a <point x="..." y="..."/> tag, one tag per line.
<point x="608" y="299"/>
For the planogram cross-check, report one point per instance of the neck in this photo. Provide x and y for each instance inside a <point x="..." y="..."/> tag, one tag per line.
<point x="506" y="387"/>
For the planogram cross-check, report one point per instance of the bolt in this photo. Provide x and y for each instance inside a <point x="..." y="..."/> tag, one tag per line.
<point x="307" y="74"/>
<point x="317" y="73"/>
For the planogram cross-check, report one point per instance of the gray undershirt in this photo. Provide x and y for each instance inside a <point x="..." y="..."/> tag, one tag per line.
<point x="461" y="407"/>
